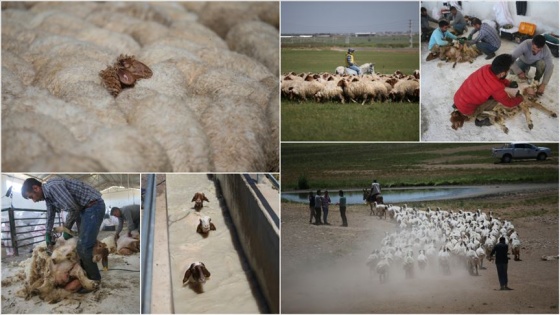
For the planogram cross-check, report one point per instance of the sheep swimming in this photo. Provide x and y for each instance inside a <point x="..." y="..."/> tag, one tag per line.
<point x="205" y="225"/>
<point x="198" y="200"/>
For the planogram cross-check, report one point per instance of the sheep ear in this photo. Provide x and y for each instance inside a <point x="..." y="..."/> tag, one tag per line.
<point x="187" y="275"/>
<point x="205" y="271"/>
<point x="199" y="228"/>
<point x="204" y="198"/>
<point x="140" y="70"/>
<point x="193" y="198"/>
<point x="212" y="226"/>
<point x="126" y="77"/>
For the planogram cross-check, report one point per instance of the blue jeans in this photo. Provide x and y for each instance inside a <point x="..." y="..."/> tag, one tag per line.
<point x="325" y="214"/>
<point x="459" y="27"/>
<point x="486" y="48"/>
<point x="540" y="65"/>
<point x="502" y="274"/>
<point x="90" y="222"/>
<point x="355" y="68"/>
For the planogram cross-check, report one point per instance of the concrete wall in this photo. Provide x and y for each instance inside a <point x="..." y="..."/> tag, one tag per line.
<point x="258" y="232"/>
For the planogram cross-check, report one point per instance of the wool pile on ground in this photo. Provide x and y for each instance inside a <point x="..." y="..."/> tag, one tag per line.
<point x="119" y="292"/>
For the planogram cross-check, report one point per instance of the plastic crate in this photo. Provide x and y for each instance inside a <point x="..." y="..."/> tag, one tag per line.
<point x="527" y="29"/>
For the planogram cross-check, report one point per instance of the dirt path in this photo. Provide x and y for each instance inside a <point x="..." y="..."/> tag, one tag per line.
<point x="324" y="271"/>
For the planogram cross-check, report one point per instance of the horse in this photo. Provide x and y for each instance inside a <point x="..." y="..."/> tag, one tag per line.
<point x="368" y="197"/>
<point x="366" y="68"/>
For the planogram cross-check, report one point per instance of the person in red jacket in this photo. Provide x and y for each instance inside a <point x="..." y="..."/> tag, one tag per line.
<point x="485" y="88"/>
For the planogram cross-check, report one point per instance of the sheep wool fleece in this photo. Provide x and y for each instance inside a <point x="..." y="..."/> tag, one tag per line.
<point x="479" y="87"/>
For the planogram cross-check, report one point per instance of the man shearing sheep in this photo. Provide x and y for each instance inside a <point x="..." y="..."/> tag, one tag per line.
<point x="131" y="214"/>
<point x="533" y="53"/>
<point x="83" y="203"/>
<point x="485" y="88"/>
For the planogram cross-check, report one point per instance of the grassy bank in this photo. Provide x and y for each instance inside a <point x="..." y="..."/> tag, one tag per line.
<point x="406" y="164"/>
<point x="350" y="122"/>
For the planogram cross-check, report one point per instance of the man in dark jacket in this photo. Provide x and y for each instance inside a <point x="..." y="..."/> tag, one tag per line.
<point x="485" y="88"/>
<point x="501" y="251"/>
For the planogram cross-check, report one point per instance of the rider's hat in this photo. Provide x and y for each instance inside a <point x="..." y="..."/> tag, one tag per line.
<point x="350" y="50"/>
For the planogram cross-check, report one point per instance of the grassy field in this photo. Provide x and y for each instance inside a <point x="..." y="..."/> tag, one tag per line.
<point x="354" y="165"/>
<point x="326" y="60"/>
<point x="349" y="122"/>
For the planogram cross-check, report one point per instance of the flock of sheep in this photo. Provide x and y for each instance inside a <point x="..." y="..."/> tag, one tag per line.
<point x="438" y="240"/>
<point x="326" y="87"/>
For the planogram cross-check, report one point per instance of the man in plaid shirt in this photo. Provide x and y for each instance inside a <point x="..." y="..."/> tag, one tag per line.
<point x="488" y="41"/>
<point x="85" y="207"/>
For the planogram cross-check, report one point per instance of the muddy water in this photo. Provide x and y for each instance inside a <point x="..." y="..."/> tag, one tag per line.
<point x="229" y="288"/>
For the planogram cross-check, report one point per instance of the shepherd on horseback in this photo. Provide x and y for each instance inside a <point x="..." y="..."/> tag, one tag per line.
<point x="375" y="191"/>
<point x="350" y="61"/>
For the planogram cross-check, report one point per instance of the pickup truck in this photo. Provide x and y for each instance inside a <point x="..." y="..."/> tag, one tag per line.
<point x="511" y="151"/>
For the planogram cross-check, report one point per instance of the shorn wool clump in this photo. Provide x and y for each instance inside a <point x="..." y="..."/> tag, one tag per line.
<point x="147" y="87"/>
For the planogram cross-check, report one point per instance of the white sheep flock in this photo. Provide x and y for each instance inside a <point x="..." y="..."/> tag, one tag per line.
<point x="212" y="103"/>
<point x="438" y="243"/>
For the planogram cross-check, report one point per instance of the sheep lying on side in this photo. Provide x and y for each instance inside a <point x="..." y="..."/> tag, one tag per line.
<point x="54" y="277"/>
<point x="127" y="245"/>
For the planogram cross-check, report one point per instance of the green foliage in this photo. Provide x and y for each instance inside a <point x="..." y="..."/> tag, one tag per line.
<point x="353" y="165"/>
<point x="302" y="182"/>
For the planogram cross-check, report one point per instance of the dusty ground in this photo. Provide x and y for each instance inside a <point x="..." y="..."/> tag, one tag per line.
<point x="119" y="292"/>
<point x="324" y="271"/>
<point x="440" y="82"/>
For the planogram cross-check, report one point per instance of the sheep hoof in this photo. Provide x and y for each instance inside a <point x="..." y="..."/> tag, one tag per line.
<point x="531" y="126"/>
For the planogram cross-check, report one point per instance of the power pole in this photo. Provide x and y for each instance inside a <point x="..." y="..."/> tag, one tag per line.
<point x="410" y="32"/>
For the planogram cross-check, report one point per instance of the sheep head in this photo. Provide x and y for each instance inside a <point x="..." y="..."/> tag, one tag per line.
<point x="457" y="119"/>
<point x="198" y="200"/>
<point x="123" y="74"/>
<point x="205" y="225"/>
<point x="196" y="274"/>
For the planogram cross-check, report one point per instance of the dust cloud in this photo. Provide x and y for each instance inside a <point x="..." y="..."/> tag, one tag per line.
<point x="346" y="285"/>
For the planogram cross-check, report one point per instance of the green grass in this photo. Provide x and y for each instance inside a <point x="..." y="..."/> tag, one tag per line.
<point x="350" y="122"/>
<point x="326" y="60"/>
<point x="343" y="165"/>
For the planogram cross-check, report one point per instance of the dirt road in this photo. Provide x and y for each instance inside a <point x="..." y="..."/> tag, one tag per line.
<point x="324" y="270"/>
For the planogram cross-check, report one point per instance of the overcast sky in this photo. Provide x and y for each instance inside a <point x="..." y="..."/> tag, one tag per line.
<point x="348" y="17"/>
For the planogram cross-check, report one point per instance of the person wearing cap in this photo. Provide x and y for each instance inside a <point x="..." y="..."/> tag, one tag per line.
<point x="350" y="61"/>
<point x="501" y="252"/>
<point x="488" y="41"/>
<point x="131" y="214"/>
<point x="485" y="88"/>
<point x="85" y="207"/>
<point x="439" y="40"/>
<point x="533" y="53"/>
